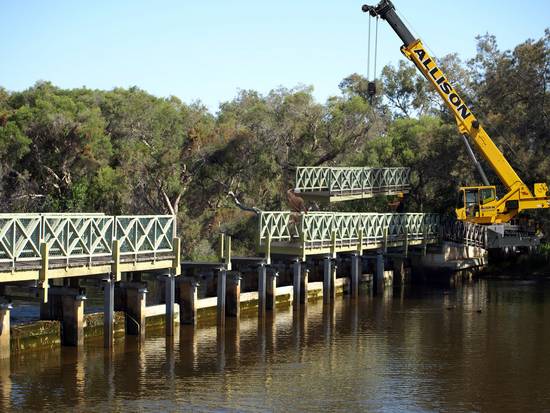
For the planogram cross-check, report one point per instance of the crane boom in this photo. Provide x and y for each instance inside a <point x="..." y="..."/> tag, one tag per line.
<point x="480" y="203"/>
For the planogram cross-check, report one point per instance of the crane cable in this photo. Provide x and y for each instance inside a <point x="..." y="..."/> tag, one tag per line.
<point x="368" y="51"/>
<point x="372" y="83"/>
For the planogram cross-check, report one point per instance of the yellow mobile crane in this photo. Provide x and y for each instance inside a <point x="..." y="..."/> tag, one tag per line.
<point x="478" y="204"/>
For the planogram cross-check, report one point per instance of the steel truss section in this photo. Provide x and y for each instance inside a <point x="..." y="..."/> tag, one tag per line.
<point x="341" y="183"/>
<point x="324" y="229"/>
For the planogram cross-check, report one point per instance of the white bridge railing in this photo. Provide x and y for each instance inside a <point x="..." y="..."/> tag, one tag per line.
<point x="83" y="236"/>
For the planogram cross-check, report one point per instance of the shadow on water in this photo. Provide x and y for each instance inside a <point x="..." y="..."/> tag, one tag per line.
<point x="479" y="346"/>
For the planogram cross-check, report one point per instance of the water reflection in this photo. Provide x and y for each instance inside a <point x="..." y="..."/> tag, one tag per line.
<point x="480" y="346"/>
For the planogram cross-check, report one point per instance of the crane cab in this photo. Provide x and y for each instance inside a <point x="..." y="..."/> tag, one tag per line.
<point x="476" y="203"/>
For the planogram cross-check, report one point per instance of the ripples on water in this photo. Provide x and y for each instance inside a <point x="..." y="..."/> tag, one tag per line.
<point x="419" y="350"/>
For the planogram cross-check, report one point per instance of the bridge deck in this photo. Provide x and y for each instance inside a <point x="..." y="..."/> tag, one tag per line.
<point x="43" y="246"/>
<point x="336" y="184"/>
<point x="317" y="233"/>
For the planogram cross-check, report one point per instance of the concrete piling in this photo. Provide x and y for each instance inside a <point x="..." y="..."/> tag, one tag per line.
<point x="66" y="304"/>
<point x="108" y="312"/>
<point x="221" y="294"/>
<point x="379" y="273"/>
<point x="296" y="283"/>
<point x="333" y="271"/>
<point x="262" y="283"/>
<point x="233" y="295"/>
<point x="355" y="271"/>
<point x="327" y="278"/>
<point x="170" y="295"/>
<point x="5" y="330"/>
<point x="304" y="287"/>
<point x="271" y="290"/>
<point x="188" y="296"/>
<point x="399" y="270"/>
<point x="73" y="319"/>
<point x="136" y="294"/>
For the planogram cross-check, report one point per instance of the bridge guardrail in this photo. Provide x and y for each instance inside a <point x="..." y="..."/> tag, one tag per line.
<point x="145" y="234"/>
<point x="317" y="228"/>
<point x="344" y="181"/>
<point x="83" y="236"/>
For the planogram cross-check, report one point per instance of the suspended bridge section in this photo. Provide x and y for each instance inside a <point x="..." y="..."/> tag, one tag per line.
<point x="337" y="184"/>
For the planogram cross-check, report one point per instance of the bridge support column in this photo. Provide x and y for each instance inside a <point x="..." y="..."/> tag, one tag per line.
<point x="170" y="296"/>
<point x="233" y="297"/>
<point x="379" y="273"/>
<point x="271" y="291"/>
<point x="221" y="293"/>
<point x="262" y="284"/>
<point x="66" y="304"/>
<point x="304" y="287"/>
<point x="5" y="330"/>
<point x="327" y="280"/>
<point x="355" y="272"/>
<point x="73" y="319"/>
<point x="399" y="270"/>
<point x="130" y="297"/>
<point x="108" y="312"/>
<point x="297" y="284"/>
<point x="188" y="300"/>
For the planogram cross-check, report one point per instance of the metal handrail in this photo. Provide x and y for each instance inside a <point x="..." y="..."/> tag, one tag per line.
<point x="321" y="227"/>
<point x="77" y="236"/>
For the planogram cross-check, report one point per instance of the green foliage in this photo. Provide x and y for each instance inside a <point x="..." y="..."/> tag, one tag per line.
<point x="127" y="151"/>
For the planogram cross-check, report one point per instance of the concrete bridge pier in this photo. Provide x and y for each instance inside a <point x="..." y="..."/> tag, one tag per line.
<point x="108" y="312"/>
<point x="329" y="280"/>
<point x="73" y="318"/>
<point x="5" y="330"/>
<point x="66" y="304"/>
<point x="355" y="274"/>
<point x="379" y="273"/>
<point x="187" y="300"/>
<point x="296" y="283"/>
<point x="271" y="290"/>
<point x="233" y="295"/>
<point x="221" y="294"/>
<point x="304" y="287"/>
<point x="400" y="270"/>
<point x="170" y="296"/>
<point x="134" y="308"/>
<point x="262" y="284"/>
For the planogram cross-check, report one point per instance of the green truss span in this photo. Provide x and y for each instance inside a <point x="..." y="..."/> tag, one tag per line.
<point x="335" y="184"/>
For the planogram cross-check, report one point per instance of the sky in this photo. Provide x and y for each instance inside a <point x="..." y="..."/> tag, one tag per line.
<point x="209" y="50"/>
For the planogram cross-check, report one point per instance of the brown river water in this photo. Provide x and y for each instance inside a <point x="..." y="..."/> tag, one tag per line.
<point x="483" y="346"/>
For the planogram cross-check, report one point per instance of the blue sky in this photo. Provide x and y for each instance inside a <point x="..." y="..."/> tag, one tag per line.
<point x="208" y="50"/>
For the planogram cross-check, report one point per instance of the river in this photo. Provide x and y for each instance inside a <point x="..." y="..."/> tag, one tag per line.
<point x="482" y="346"/>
